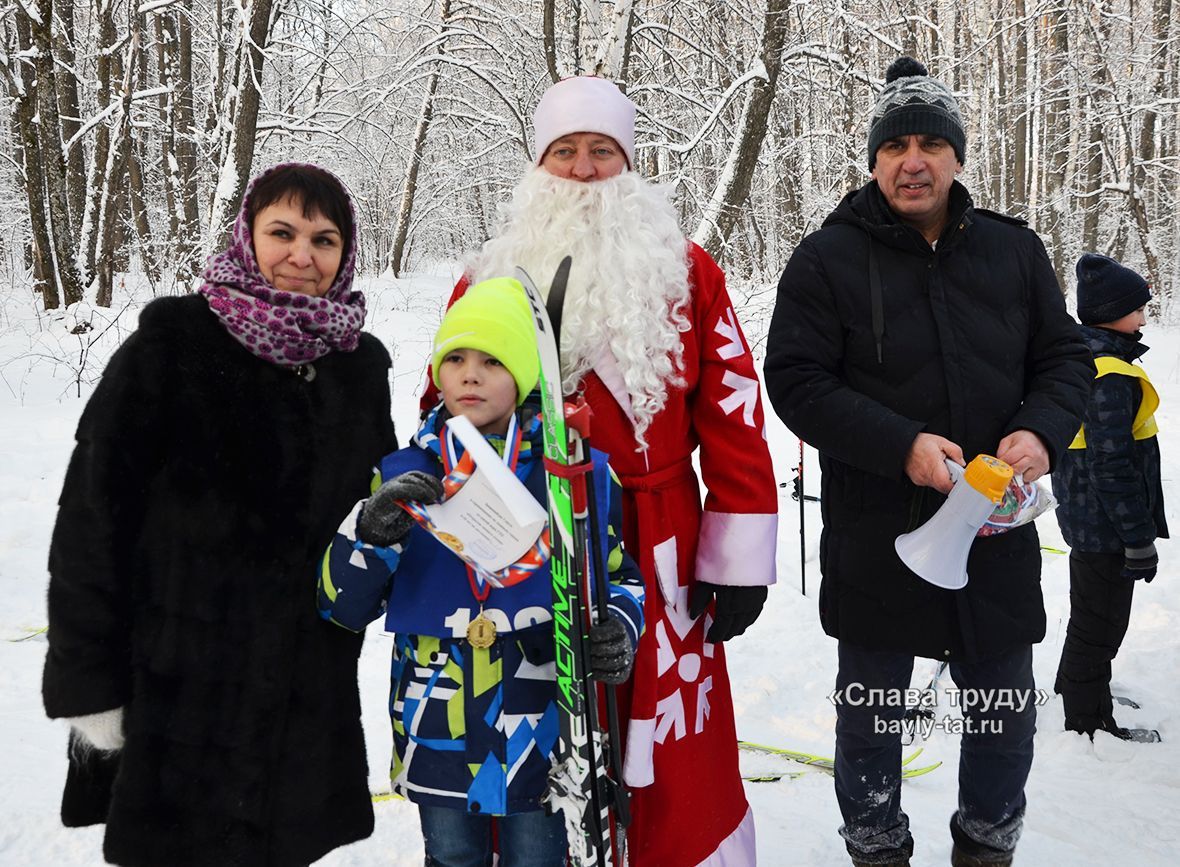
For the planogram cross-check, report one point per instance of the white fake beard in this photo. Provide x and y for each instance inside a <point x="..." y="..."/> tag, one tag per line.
<point x="628" y="288"/>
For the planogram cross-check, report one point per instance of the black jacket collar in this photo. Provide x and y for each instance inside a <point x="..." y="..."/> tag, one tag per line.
<point x="868" y="209"/>
<point x="1104" y="341"/>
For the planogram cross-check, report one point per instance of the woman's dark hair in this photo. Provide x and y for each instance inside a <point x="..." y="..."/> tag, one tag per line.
<point x="319" y="191"/>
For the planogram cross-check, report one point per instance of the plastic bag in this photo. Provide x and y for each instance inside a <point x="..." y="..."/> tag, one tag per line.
<point x="1023" y="502"/>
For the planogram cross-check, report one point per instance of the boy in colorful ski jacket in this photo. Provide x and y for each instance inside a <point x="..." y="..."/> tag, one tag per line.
<point x="473" y="727"/>
<point x="1111" y="498"/>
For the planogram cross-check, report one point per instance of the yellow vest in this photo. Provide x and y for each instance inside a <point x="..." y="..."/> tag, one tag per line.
<point x="1144" y="425"/>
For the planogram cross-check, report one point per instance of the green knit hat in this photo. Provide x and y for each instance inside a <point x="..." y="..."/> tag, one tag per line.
<point x="493" y="317"/>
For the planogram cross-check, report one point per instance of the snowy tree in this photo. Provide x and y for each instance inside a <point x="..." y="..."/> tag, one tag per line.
<point x="133" y="127"/>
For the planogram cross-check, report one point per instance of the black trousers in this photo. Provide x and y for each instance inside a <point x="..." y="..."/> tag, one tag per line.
<point x="1099" y="611"/>
<point x="994" y="759"/>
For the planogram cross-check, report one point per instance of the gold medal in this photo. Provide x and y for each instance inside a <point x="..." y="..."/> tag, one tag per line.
<point x="481" y="632"/>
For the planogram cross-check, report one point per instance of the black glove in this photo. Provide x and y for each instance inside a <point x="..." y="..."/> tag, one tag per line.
<point x="1140" y="561"/>
<point x="382" y="521"/>
<point x="611" y="654"/>
<point x="737" y="608"/>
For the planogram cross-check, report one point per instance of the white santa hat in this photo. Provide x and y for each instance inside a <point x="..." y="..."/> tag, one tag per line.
<point x="584" y="104"/>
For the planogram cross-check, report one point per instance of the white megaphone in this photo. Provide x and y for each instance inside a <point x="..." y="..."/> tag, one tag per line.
<point x="937" y="551"/>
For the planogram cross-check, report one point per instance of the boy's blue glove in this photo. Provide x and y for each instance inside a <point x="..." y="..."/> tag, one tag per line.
<point x="382" y="522"/>
<point x="737" y="608"/>
<point x="1140" y="562"/>
<point x="611" y="654"/>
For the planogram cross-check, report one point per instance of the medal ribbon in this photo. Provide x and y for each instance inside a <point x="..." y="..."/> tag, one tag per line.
<point x="481" y="589"/>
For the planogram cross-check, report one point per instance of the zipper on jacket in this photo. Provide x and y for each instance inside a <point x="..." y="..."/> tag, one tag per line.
<point x="876" y="294"/>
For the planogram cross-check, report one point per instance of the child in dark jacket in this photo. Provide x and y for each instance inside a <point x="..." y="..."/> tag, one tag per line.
<point x="474" y="716"/>
<point x="1111" y="499"/>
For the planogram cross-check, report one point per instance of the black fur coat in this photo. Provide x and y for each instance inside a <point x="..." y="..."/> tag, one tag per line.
<point x="204" y="487"/>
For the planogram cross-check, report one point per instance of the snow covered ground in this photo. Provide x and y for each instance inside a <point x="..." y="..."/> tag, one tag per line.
<point x="1103" y="803"/>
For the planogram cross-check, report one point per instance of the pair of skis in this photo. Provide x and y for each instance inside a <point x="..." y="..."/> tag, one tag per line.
<point x="586" y="781"/>
<point x="824" y="763"/>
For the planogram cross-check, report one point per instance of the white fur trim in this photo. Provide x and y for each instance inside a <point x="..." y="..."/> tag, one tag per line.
<point x="737" y="549"/>
<point x="667" y="575"/>
<point x="675" y="595"/>
<point x="584" y="104"/>
<point x="639" y="768"/>
<point x="608" y="371"/>
<point x="103" y="730"/>
<point x="738" y="849"/>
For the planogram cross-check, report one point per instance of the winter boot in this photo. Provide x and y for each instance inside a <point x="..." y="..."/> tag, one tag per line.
<point x="1142" y="736"/>
<point x="1108" y="725"/>
<point x="1087" y="726"/>
<point x="968" y="852"/>
<point x="900" y="859"/>
<point x="883" y="858"/>
<point x="960" y="858"/>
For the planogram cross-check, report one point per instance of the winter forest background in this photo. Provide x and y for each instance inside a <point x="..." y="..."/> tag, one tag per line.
<point x="130" y="128"/>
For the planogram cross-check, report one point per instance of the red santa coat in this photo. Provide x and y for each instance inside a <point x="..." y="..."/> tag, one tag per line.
<point x="681" y="758"/>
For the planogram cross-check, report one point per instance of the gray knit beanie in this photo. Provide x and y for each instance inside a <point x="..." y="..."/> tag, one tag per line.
<point x="913" y="103"/>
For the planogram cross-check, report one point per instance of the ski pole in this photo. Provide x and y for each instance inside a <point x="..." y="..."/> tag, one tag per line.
<point x="606" y="794"/>
<point x="802" y="519"/>
<point x="619" y="796"/>
<point x="923" y="709"/>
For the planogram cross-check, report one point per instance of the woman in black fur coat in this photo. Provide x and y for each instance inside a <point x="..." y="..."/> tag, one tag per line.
<point x="214" y="717"/>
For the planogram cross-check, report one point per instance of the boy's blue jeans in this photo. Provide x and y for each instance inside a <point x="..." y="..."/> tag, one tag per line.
<point x="457" y="839"/>
<point x="994" y="758"/>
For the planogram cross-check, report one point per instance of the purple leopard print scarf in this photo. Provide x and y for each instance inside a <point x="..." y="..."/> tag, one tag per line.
<point x="285" y="328"/>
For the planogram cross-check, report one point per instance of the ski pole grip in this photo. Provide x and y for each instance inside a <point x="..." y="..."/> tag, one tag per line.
<point x="578" y="416"/>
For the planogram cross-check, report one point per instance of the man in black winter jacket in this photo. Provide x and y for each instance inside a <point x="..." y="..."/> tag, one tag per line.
<point x="911" y="329"/>
<point x="1111" y="495"/>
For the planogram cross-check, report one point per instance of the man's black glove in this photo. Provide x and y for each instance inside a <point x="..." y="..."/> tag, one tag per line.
<point x="382" y="521"/>
<point x="1140" y="561"/>
<point x="611" y="654"/>
<point x="737" y="608"/>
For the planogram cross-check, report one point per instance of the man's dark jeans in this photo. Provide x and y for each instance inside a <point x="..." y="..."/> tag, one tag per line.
<point x="995" y="756"/>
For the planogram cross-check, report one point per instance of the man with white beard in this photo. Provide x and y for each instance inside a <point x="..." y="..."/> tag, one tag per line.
<point x="650" y="337"/>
